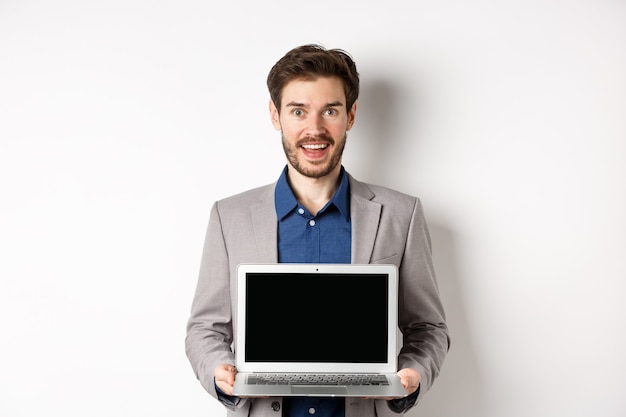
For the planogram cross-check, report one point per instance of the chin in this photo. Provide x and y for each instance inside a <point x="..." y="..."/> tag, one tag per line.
<point x="316" y="171"/>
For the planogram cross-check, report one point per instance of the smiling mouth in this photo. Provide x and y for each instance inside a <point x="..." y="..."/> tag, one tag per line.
<point x="315" y="146"/>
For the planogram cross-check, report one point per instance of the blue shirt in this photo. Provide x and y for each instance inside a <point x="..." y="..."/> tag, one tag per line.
<point x="306" y="238"/>
<point x="325" y="237"/>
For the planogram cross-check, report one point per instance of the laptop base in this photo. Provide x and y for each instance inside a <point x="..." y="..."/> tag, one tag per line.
<point x="392" y="389"/>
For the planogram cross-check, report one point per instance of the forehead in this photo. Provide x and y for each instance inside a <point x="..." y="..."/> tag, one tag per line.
<point x="321" y="90"/>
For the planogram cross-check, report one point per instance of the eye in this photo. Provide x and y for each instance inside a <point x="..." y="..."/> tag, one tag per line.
<point x="330" y="112"/>
<point x="298" y="112"/>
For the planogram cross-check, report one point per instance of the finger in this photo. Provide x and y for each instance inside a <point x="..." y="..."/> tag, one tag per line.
<point x="409" y="380"/>
<point x="231" y="375"/>
<point x="225" y="378"/>
<point x="225" y="387"/>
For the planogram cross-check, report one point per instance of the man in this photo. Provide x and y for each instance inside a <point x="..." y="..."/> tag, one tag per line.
<point x="316" y="212"/>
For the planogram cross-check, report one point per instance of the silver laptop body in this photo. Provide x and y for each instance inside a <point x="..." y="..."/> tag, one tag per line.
<point x="326" y="330"/>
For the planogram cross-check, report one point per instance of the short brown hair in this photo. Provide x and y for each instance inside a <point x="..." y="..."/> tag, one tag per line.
<point x="310" y="62"/>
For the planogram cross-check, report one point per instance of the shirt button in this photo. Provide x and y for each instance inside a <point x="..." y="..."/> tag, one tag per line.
<point x="311" y="223"/>
<point x="300" y="210"/>
<point x="311" y="410"/>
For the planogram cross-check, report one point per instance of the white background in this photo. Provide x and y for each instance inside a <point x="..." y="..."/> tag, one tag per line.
<point x="122" y="121"/>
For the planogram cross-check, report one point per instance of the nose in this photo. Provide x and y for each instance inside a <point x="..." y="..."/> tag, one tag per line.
<point x="315" y="125"/>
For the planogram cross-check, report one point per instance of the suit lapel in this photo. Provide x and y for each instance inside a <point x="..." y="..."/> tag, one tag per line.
<point x="265" y="226"/>
<point x="365" y="216"/>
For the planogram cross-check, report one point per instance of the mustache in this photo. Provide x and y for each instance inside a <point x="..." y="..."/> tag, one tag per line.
<point x="319" y="138"/>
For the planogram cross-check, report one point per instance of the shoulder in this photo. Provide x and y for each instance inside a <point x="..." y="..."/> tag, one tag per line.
<point x="247" y="199"/>
<point x="381" y="194"/>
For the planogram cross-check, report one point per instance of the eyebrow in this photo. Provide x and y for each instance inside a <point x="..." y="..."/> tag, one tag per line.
<point x="331" y="104"/>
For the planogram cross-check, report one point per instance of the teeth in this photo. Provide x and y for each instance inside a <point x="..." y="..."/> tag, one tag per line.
<point x="315" y="146"/>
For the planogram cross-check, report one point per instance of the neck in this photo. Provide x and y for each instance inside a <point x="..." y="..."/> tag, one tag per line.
<point x="313" y="193"/>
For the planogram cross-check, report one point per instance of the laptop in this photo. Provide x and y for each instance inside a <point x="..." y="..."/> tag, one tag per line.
<point x="321" y="330"/>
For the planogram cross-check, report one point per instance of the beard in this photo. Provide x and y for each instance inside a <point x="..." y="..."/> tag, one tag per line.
<point x="318" y="169"/>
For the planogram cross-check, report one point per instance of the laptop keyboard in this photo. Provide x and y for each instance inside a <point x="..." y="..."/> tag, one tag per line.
<point x="317" y="379"/>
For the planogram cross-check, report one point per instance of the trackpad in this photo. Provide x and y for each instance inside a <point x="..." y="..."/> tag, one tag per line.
<point x="316" y="390"/>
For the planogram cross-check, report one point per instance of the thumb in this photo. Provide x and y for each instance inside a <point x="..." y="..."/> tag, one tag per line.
<point x="230" y="378"/>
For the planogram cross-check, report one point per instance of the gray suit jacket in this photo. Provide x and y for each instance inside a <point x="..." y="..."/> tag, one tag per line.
<point x="387" y="227"/>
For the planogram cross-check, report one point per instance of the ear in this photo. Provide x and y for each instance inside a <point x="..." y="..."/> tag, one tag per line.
<point x="275" y="116"/>
<point x="351" y="117"/>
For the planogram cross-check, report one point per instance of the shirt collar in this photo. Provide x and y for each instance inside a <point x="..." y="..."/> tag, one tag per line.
<point x="341" y="199"/>
<point x="285" y="201"/>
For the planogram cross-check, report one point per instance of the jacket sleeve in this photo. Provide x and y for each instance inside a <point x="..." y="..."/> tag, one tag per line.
<point x="209" y="328"/>
<point x="420" y="313"/>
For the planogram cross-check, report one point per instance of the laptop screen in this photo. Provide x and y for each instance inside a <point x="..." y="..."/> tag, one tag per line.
<point x="316" y="317"/>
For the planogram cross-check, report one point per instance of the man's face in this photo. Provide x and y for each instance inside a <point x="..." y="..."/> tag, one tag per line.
<point x="313" y="119"/>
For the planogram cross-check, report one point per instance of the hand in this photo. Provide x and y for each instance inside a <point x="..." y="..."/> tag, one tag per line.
<point x="225" y="378"/>
<point x="410" y="380"/>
